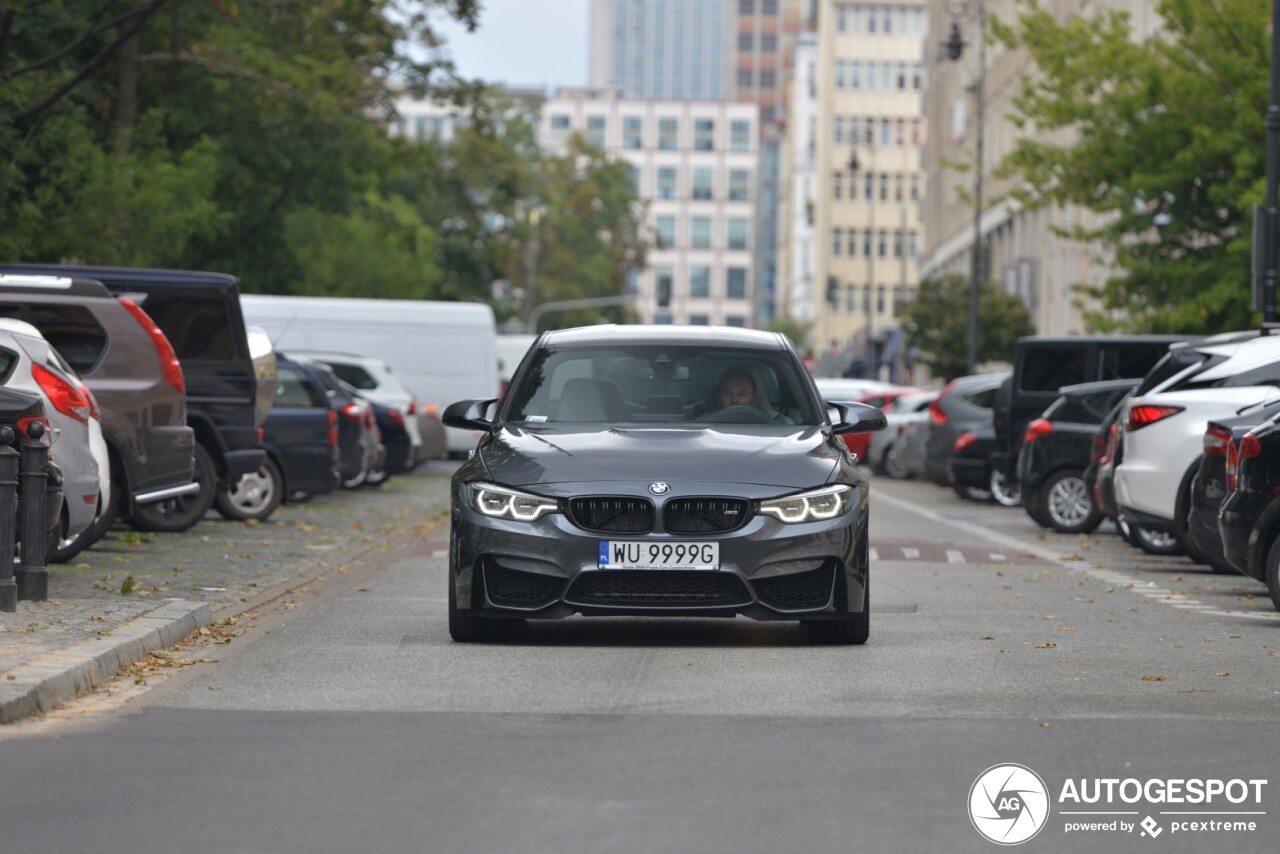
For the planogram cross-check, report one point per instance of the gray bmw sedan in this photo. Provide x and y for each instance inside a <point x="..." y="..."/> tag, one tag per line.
<point x="660" y="471"/>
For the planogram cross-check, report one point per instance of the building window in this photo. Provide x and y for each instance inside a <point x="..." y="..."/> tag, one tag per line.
<point x="746" y="78"/>
<point x="633" y="173"/>
<point x="739" y="185"/>
<point x="595" y="131"/>
<point x="769" y="42"/>
<point x="665" y="228"/>
<point x="837" y="180"/>
<point x="900" y="82"/>
<point x="842" y="19"/>
<point x="735" y="320"/>
<point x="884" y="187"/>
<point x="704" y="134"/>
<point x="737" y="233"/>
<point x="897" y="244"/>
<point x="850" y="298"/>
<point x="837" y="240"/>
<point x="746" y="7"/>
<point x="897" y="187"/>
<point x="739" y="135"/>
<point x="664" y="278"/>
<point x="668" y="134"/>
<point x="768" y="78"/>
<point x="735" y="283"/>
<point x="420" y="127"/>
<point x="699" y="282"/>
<point x="866" y="243"/>
<point x="837" y="124"/>
<point x="631" y="132"/>
<point x="855" y="75"/>
<point x="880" y="299"/>
<point x="699" y="320"/>
<point x="559" y="123"/>
<point x="914" y="247"/>
<point x="915" y="188"/>
<point x="700" y="232"/>
<point x="702" y="183"/>
<point x="853" y="242"/>
<point x="769" y="7"/>
<point x="882" y="244"/>
<point x="839" y="73"/>
<point x="917" y="76"/>
<point x="746" y="41"/>
<point x="663" y="319"/>
<point x="667" y="182"/>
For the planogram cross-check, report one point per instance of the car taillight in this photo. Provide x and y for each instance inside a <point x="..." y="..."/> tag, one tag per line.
<point x="397" y="417"/>
<point x="1038" y="429"/>
<point x="1113" y="439"/>
<point x="1248" y="448"/>
<point x="170" y="367"/>
<point x="963" y="441"/>
<point x="352" y="411"/>
<point x="93" y="404"/>
<point x="1141" y="416"/>
<point x="262" y="434"/>
<point x="936" y="414"/>
<point x="1216" y="440"/>
<point x="333" y="429"/>
<point x="1098" y="449"/>
<point x="64" y="396"/>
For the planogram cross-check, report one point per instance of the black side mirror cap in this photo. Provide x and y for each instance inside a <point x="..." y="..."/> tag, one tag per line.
<point x="469" y="414"/>
<point x="857" y="418"/>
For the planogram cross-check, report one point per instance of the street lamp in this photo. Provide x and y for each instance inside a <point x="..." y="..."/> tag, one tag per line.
<point x="955" y="49"/>
<point x="870" y="357"/>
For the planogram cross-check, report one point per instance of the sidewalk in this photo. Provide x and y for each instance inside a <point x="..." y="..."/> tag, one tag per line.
<point x="133" y="593"/>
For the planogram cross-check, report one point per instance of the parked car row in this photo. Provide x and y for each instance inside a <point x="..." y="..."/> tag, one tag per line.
<point x="161" y="403"/>
<point x="1176" y="441"/>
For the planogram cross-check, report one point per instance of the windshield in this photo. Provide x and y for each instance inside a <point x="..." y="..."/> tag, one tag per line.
<point x="659" y="384"/>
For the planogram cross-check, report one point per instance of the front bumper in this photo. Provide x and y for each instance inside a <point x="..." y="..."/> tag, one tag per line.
<point x="548" y="569"/>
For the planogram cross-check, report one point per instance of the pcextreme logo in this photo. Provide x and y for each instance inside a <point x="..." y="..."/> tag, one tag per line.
<point x="1008" y="804"/>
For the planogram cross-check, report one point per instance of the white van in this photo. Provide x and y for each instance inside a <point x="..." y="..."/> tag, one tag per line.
<point x="443" y="351"/>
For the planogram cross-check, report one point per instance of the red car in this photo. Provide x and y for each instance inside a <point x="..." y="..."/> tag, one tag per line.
<point x="857" y="444"/>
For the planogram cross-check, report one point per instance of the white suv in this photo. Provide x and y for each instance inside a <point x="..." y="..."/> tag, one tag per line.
<point x="374" y="379"/>
<point x="1164" y="421"/>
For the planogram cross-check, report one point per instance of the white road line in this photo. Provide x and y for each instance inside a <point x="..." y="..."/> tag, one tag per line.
<point x="874" y="554"/>
<point x="997" y="556"/>
<point x="909" y="553"/>
<point x="954" y="556"/>
<point x="1108" y="576"/>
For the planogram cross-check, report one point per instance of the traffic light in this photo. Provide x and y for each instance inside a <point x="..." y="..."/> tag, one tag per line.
<point x="833" y="291"/>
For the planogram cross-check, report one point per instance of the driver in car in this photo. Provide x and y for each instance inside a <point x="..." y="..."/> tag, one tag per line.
<point x="737" y="387"/>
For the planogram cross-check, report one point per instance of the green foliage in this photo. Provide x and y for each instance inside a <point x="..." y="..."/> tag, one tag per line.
<point x="795" y="330"/>
<point x="1165" y="139"/>
<point x="937" y="322"/>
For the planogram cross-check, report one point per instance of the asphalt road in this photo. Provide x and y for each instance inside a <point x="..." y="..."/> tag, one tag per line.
<point x="354" y="724"/>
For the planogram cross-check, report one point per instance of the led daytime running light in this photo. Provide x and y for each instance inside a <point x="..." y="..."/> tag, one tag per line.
<point x="820" y="504"/>
<point x="499" y="503"/>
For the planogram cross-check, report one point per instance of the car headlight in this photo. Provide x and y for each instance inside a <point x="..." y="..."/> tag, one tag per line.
<point x="826" y="503"/>
<point x="502" y="503"/>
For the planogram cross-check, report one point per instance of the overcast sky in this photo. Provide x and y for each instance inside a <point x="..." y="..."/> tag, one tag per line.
<point x="524" y="42"/>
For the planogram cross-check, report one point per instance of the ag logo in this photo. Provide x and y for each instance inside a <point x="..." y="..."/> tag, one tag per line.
<point x="1008" y="804"/>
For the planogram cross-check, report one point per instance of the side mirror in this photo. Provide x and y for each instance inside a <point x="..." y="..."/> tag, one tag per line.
<point x="857" y="418"/>
<point x="469" y="414"/>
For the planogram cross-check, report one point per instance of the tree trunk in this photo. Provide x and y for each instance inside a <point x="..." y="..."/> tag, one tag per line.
<point x="127" y="98"/>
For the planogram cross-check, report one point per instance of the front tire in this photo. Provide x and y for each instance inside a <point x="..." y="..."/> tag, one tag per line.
<point x="468" y="627"/>
<point x="1273" y="572"/>
<point x="254" y="496"/>
<point x="853" y="630"/>
<point x="179" y="514"/>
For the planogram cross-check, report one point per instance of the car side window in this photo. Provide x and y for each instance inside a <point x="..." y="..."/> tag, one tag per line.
<point x="355" y="376"/>
<point x="1050" y="368"/>
<point x="982" y="398"/>
<point x="293" y="389"/>
<point x="73" y="331"/>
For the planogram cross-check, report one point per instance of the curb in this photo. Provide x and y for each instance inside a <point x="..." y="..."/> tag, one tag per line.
<point x="63" y="674"/>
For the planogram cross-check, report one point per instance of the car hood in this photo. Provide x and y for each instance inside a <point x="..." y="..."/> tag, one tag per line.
<point x="793" y="458"/>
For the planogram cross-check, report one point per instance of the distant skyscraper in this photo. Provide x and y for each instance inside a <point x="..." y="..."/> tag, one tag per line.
<point x="663" y="49"/>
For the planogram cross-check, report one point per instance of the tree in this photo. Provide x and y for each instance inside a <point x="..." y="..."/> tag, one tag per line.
<point x="937" y="322"/>
<point x="795" y="330"/>
<point x="1165" y="138"/>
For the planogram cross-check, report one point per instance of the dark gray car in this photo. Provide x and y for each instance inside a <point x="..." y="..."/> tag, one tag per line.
<point x="964" y="402"/>
<point x="612" y="481"/>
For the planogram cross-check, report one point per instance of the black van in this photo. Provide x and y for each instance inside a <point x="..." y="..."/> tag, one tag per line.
<point x="227" y="400"/>
<point x="1044" y="364"/>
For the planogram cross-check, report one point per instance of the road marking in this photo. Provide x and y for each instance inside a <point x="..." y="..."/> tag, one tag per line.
<point x="954" y="556"/>
<point x="998" y="556"/>
<point x="1128" y="582"/>
<point x="874" y="554"/>
<point x="910" y="553"/>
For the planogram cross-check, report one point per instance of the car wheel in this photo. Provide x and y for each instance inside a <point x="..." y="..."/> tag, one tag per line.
<point x="356" y="479"/>
<point x="1154" y="542"/>
<point x="972" y="493"/>
<point x="65" y="549"/>
<point x="850" y="631"/>
<point x="1273" y="572"/>
<point x="1066" y="504"/>
<point x="1005" y="491"/>
<point x="895" y="465"/>
<point x="181" y="513"/>
<point x="377" y="477"/>
<point x="254" y="496"/>
<point x="467" y="627"/>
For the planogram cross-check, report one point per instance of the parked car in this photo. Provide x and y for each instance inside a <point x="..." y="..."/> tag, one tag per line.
<point x="1209" y="485"/>
<point x="377" y="382"/>
<point x="963" y="403"/>
<point x="227" y="393"/>
<point x="1056" y="450"/>
<point x="135" y="378"/>
<point x="29" y="363"/>
<point x="1166" y="418"/>
<point x="970" y="464"/>
<point x="18" y="409"/>
<point x="575" y="502"/>
<point x="887" y="448"/>
<point x="1044" y="364"/>
<point x="859" y="443"/>
<point x="1249" y="520"/>
<point x="360" y="449"/>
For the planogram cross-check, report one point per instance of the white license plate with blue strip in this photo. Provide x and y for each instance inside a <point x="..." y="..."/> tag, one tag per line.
<point x="635" y="554"/>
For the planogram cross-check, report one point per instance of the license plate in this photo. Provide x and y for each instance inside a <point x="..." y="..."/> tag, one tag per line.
<point x="632" y="554"/>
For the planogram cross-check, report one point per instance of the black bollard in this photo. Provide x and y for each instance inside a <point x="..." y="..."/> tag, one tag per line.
<point x="30" y="574"/>
<point x="8" y="519"/>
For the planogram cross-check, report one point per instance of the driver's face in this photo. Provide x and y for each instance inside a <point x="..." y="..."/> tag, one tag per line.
<point x="737" y="391"/>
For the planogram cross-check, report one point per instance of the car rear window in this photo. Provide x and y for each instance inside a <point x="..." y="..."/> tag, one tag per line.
<point x="354" y="375"/>
<point x="1050" y="367"/>
<point x="73" y="331"/>
<point x="1084" y="408"/>
<point x="197" y="327"/>
<point x="1174" y="363"/>
<point x="1129" y="361"/>
<point x="8" y="359"/>
<point x="294" y="389"/>
<point x="982" y="398"/>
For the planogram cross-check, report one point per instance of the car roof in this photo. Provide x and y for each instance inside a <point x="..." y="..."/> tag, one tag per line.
<point x="635" y="334"/>
<point x="128" y="275"/>
<point x="1241" y="356"/>
<point x="20" y="327"/>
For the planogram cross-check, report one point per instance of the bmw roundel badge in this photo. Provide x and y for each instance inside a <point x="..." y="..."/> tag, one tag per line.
<point x="659" y="488"/>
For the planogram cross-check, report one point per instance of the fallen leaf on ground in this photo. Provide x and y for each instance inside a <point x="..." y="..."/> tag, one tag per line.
<point x="1153" y="677"/>
<point x="1047" y="645"/>
<point x="989" y="637"/>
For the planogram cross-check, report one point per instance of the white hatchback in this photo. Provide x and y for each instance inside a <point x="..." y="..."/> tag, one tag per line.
<point x="1164" y="421"/>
